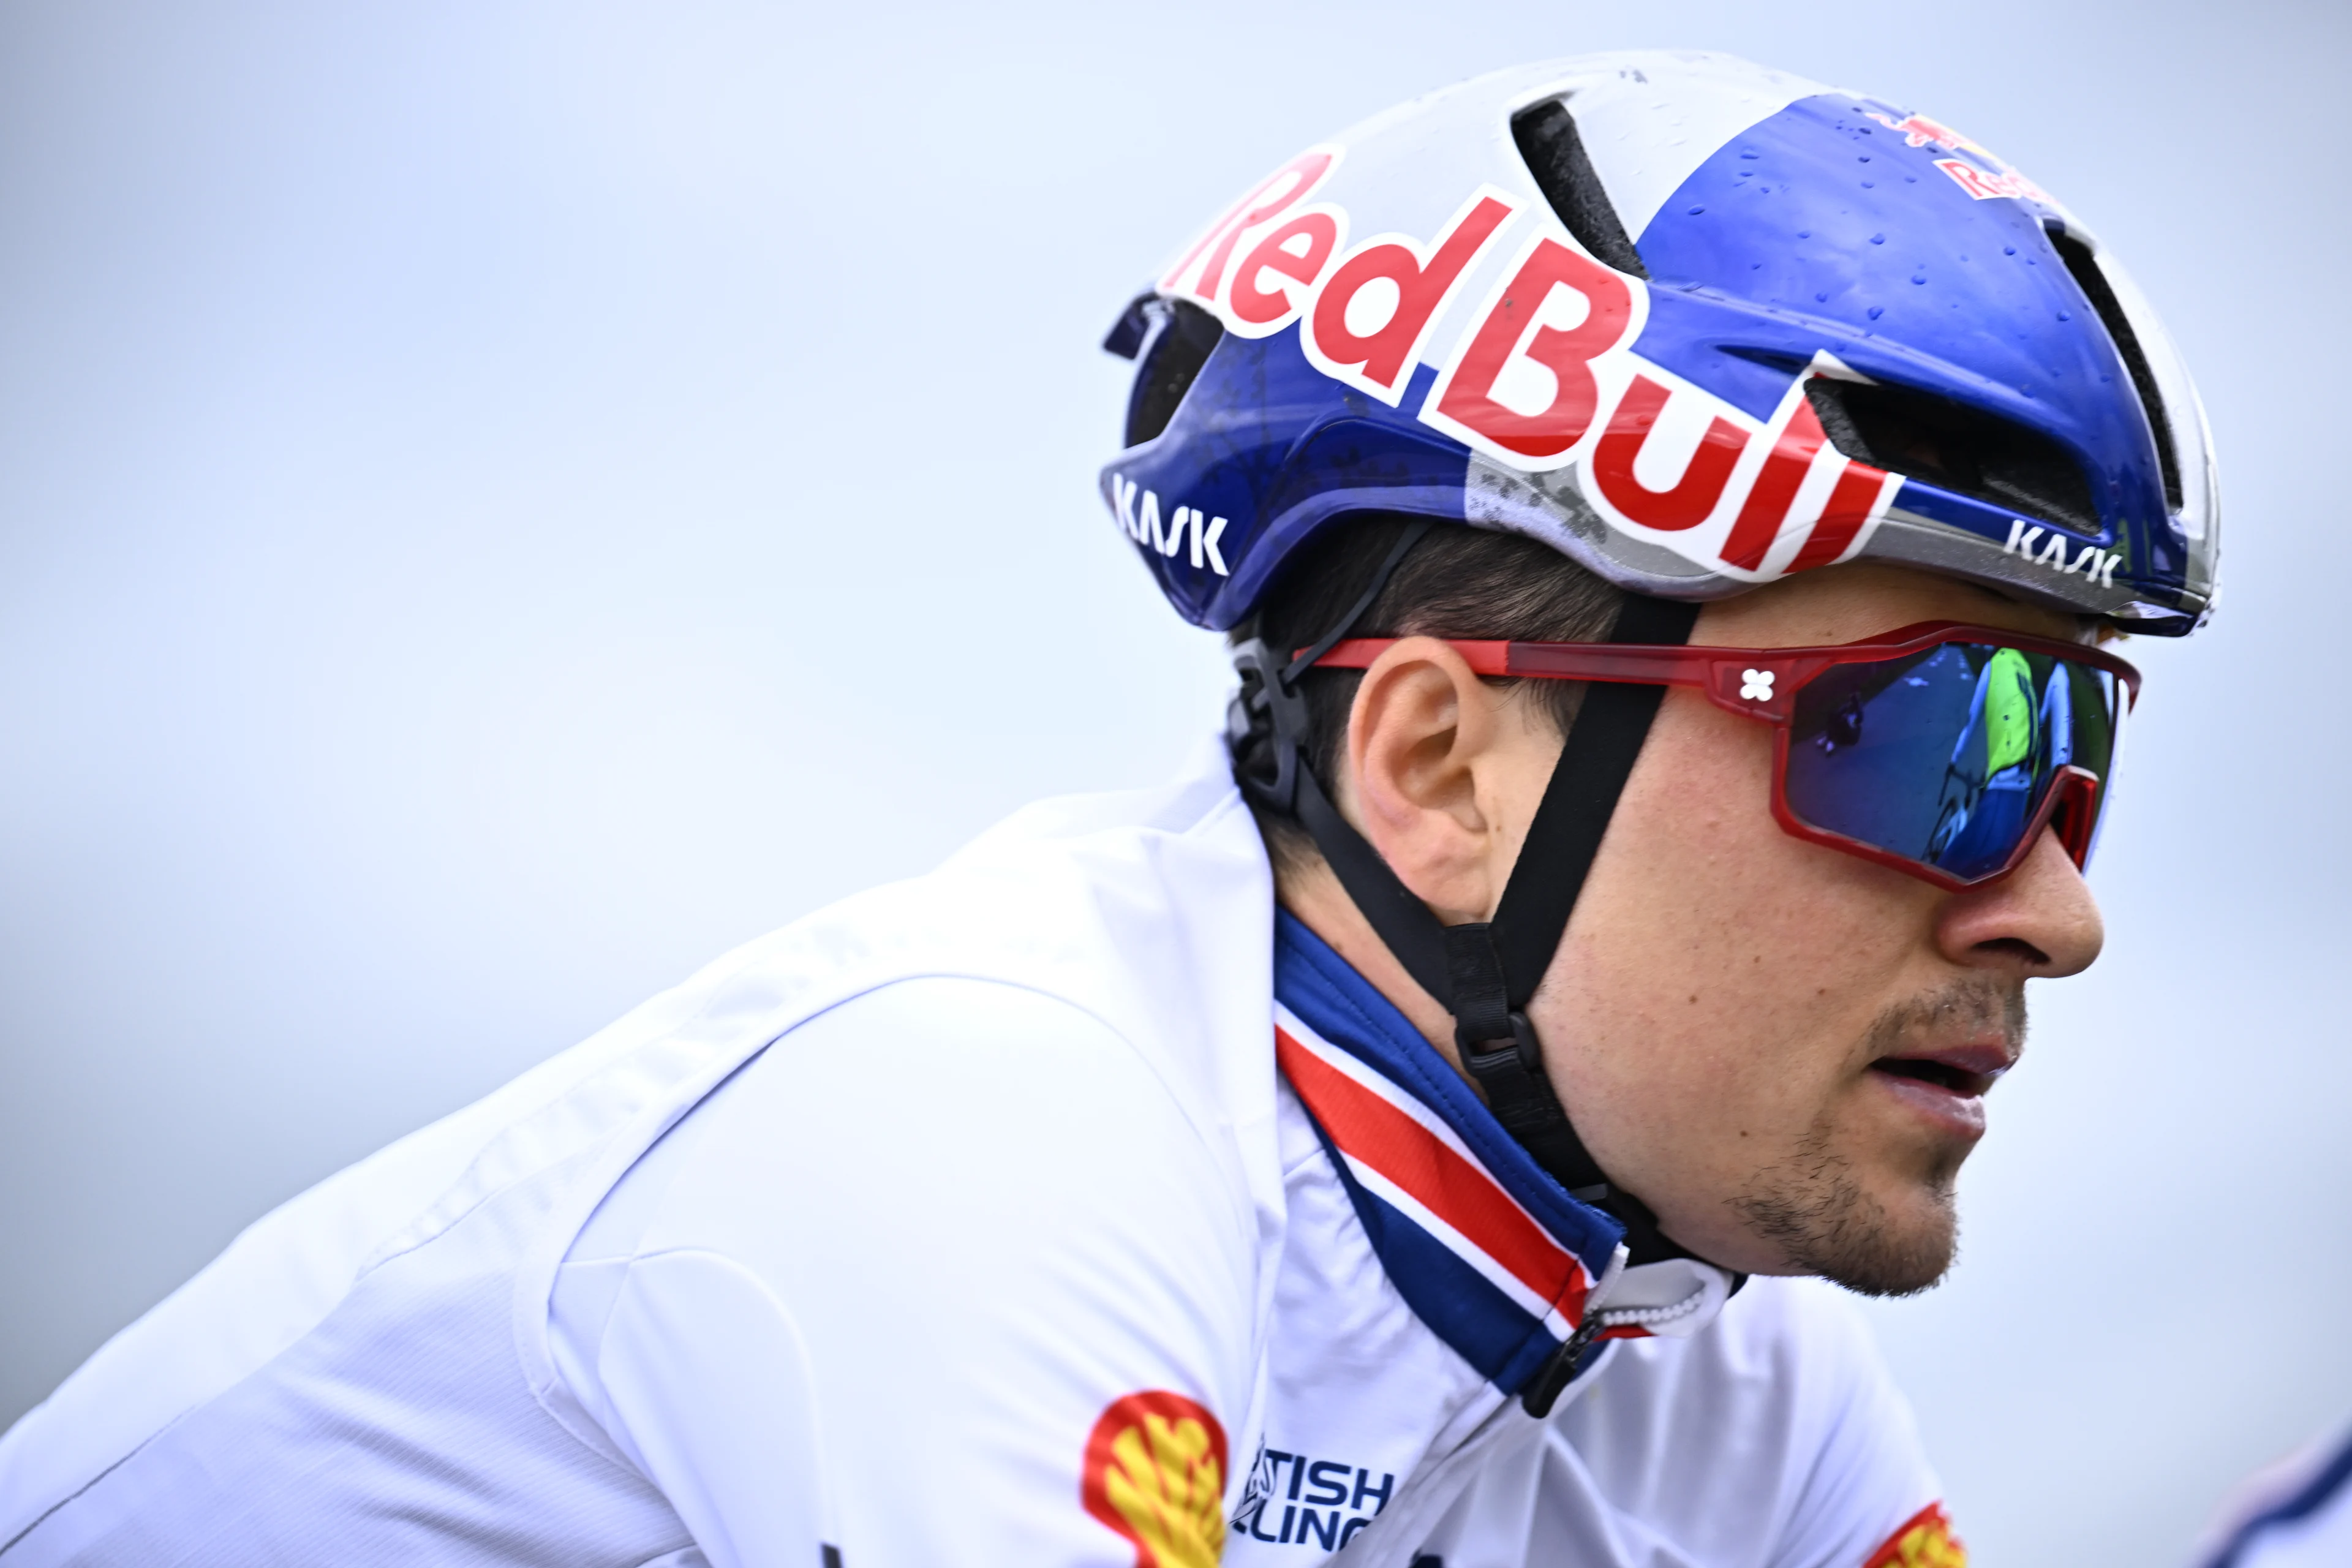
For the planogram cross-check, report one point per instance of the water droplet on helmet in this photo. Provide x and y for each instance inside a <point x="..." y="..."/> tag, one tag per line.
<point x="1878" y="239"/>
<point x="2009" y="251"/>
<point x="1695" y="211"/>
<point x="1876" y="312"/>
<point x="1918" y="277"/>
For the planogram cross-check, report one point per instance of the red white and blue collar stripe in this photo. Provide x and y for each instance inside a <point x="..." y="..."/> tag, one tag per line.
<point x="1486" y="1249"/>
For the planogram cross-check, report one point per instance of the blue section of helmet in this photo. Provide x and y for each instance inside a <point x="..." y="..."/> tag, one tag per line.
<point x="1819" y="228"/>
<point x="1278" y="449"/>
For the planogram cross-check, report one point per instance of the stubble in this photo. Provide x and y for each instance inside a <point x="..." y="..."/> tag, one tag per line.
<point x="1813" y="1208"/>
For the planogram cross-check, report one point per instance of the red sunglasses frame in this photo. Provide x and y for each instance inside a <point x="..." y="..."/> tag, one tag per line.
<point x="1729" y="675"/>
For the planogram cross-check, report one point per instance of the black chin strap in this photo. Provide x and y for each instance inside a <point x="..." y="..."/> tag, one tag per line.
<point x="1484" y="973"/>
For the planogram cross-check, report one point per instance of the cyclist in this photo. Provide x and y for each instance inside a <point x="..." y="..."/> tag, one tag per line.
<point x="1407" y="1136"/>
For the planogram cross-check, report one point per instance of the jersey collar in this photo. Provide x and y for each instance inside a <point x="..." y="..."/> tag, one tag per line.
<point x="1484" y="1245"/>
<point x="1486" y="1249"/>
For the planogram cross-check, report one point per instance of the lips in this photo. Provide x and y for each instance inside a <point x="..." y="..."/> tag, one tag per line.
<point x="1948" y="1083"/>
<point x="1963" y="1069"/>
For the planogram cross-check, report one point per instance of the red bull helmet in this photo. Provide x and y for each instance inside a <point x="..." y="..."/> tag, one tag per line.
<point x="1696" y="324"/>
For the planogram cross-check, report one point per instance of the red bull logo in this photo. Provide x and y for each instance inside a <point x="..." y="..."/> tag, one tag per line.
<point x="1984" y="185"/>
<point x="1540" y="376"/>
<point x="1918" y="131"/>
<point x="1988" y="177"/>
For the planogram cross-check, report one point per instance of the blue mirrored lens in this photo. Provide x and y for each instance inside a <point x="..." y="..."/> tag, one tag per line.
<point x="1945" y="756"/>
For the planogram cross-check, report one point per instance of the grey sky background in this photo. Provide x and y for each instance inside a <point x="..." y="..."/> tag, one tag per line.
<point x="500" y="502"/>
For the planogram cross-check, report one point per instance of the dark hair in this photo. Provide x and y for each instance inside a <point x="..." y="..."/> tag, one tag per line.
<point x="1457" y="582"/>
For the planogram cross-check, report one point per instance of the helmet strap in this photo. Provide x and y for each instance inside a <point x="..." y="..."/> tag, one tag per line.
<point x="1485" y="972"/>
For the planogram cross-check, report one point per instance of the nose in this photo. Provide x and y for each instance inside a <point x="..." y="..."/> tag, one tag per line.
<point x="2039" y="921"/>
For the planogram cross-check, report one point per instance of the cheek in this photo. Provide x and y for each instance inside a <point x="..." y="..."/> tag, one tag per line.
<point x="1720" y="968"/>
<point x="1693" y="881"/>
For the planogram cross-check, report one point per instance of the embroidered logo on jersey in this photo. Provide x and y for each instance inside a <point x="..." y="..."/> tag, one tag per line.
<point x="1474" y="1263"/>
<point x="1923" y="1541"/>
<point x="1155" y="1472"/>
<point x="1326" y="1500"/>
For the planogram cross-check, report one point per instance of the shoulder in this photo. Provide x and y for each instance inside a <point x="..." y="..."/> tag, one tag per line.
<point x="940" y="1126"/>
<point x="947" y="1082"/>
<point x="981" y="1080"/>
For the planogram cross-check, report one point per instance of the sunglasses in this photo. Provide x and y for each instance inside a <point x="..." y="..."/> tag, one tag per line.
<point x="1942" y="750"/>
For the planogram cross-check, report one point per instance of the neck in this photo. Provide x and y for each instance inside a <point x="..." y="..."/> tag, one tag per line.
<point x="1303" y="885"/>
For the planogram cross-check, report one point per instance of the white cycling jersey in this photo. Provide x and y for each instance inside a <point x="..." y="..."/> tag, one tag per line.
<point x="1064" y="1205"/>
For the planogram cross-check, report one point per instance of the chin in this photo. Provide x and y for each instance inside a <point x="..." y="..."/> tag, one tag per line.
<point x="1819" y="1218"/>
<point x="1894" y="1260"/>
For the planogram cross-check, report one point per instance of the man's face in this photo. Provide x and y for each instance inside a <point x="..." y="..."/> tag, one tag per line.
<point x="1781" y="1049"/>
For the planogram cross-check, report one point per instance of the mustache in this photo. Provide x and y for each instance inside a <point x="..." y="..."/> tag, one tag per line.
<point x="1974" y="1005"/>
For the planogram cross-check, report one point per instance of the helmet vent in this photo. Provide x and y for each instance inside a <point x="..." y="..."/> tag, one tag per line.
<point x="1956" y="448"/>
<point x="2088" y="276"/>
<point x="1546" y="136"/>
<point x="1178" y="337"/>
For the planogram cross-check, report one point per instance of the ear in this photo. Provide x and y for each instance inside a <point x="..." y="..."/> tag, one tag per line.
<point x="1444" y="773"/>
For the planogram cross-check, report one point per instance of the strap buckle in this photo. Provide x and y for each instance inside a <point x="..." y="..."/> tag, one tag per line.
<point x="1267" y="704"/>
<point x="1519" y="1051"/>
<point x="1520" y="1092"/>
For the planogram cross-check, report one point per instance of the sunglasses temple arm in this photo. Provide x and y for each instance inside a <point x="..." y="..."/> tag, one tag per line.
<point x="1756" y="683"/>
